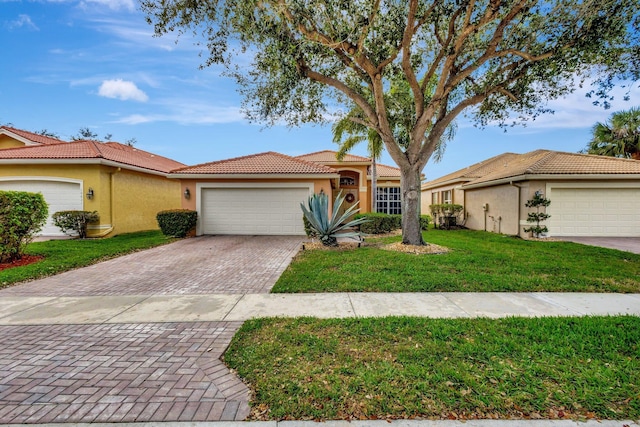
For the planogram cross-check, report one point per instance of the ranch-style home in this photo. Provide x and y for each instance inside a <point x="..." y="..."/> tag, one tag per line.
<point x="590" y="195"/>
<point x="261" y="193"/>
<point x="125" y="185"/>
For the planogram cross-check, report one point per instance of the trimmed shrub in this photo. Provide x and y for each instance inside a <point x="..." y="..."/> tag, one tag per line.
<point x="446" y="215"/>
<point x="75" y="221"/>
<point x="22" y="215"/>
<point x="424" y="222"/>
<point x="380" y="223"/>
<point x="177" y="222"/>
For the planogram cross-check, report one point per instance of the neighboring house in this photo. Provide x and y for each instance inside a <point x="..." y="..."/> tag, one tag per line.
<point x="14" y="138"/>
<point x="125" y="185"/>
<point x="261" y="193"/>
<point x="590" y="195"/>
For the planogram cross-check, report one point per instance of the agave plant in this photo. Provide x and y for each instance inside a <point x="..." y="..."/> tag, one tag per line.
<point x="328" y="229"/>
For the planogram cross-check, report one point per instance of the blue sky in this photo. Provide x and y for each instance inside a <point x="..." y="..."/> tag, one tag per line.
<point x="69" y="64"/>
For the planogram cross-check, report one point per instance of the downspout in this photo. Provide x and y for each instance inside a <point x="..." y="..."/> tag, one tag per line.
<point x="112" y="215"/>
<point x="519" y="204"/>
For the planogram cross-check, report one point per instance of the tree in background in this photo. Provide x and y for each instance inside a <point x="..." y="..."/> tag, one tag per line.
<point x="87" y="134"/>
<point x="617" y="137"/>
<point x="491" y="58"/>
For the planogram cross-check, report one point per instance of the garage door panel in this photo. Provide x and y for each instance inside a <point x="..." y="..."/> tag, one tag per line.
<point x="59" y="195"/>
<point x="595" y="212"/>
<point x="269" y="211"/>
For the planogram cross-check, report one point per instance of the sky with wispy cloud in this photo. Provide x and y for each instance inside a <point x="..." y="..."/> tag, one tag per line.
<point x="70" y="64"/>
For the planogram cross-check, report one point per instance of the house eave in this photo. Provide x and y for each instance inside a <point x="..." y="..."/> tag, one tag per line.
<point x="292" y="176"/>
<point x="552" y="177"/>
<point x="82" y="161"/>
<point x="447" y="183"/>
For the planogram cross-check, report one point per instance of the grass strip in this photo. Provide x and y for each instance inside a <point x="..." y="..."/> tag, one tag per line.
<point x="478" y="262"/>
<point x="63" y="255"/>
<point x="400" y="367"/>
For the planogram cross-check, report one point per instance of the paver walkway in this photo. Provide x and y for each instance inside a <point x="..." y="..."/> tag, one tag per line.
<point x="118" y="373"/>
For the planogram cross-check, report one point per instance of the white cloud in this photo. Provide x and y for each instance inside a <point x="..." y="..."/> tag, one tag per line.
<point x="122" y="90"/>
<point x="23" y="21"/>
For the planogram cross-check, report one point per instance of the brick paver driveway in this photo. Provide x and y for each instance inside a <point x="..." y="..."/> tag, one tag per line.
<point x="144" y="371"/>
<point x="203" y="265"/>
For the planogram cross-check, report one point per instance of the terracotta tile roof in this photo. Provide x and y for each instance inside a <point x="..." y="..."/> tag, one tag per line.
<point x="112" y="151"/>
<point x="258" y="164"/>
<point x="474" y="171"/>
<point x="546" y="162"/>
<point x="33" y="137"/>
<point x="385" y="171"/>
<point x="328" y="156"/>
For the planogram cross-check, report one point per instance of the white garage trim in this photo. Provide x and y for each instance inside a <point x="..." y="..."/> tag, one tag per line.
<point x="594" y="209"/>
<point x="76" y="186"/>
<point x="308" y="186"/>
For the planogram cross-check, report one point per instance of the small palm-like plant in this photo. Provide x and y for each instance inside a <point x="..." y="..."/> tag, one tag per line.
<point x="329" y="229"/>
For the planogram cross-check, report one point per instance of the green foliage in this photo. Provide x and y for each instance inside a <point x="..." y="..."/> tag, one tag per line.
<point x="22" y="215"/>
<point x="618" y="137"/>
<point x="177" y="222"/>
<point x="410" y="367"/>
<point x="75" y="221"/>
<point x="478" y="261"/>
<point x="411" y="67"/>
<point x="64" y="255"/>
<point x="379" y="223"/>
<point x="424" y="222"/>
<point x="538" y="201"/>
<point x="329" y="229"/>
<point x="308" y="230"/>
<point x="446" y="215"/>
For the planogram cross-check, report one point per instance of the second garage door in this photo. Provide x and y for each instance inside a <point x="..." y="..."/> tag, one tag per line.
<point x="613" y="212"/>
<point x="59" y="195"/>
<point x="253" y="211"/>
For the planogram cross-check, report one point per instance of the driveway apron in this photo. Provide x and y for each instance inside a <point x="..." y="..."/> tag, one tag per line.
<point x="128" y="372"/>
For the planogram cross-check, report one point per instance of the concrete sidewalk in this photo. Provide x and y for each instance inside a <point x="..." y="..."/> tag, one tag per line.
<point x="233" y="307"/>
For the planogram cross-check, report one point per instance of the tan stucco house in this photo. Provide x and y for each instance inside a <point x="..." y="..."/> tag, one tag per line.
<point x="261" y="193"/>
<point x="590" y="195"/>
<point x="125" y="185"/>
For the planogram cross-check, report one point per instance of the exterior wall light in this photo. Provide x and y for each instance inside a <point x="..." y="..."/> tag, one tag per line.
<point x="90" y="193"/>
<point x="187" y="194"/>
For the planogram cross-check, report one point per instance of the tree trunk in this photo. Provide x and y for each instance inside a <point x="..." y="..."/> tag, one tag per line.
<point x="410" y="187"/>
<point x="374" y="185"/>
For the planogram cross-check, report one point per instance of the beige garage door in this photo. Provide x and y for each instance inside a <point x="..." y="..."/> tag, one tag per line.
<point x="611" y="212"/>
<point x="60" y="196"/>
<point x="253" y="211"/>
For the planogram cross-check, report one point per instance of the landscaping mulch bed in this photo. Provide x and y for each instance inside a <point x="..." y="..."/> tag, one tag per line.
<point x="25" y="260"/>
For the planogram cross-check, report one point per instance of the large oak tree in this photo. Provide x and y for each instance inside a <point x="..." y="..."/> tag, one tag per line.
<point x="296" y="60"/>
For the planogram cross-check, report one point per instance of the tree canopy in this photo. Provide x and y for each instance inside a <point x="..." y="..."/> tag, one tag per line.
<point x="297" y="60"/>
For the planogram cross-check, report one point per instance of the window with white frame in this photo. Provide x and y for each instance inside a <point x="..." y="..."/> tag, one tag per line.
<point x="388" y="200"/>
<point x="446" y="197"/>
<point x="434" y="198"/>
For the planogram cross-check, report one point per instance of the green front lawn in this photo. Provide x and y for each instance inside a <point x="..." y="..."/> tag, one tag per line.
<point x="63" y="255"/>
<point x="578" y="368"/>
<point x="478" y="262"/>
